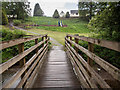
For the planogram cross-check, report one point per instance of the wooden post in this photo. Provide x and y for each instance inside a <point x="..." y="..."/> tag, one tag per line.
<point x="90" y="48"/>
<point x="43" y="40"/>
<point x="46" y="38"/>
<point x="71" y="40"/>
<point x="22" y="61"/>
<point x="76" y="41"/>
<point x="36" y="42"/>
<point x="20" y="50"/>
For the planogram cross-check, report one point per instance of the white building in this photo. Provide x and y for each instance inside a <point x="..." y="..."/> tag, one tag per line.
<point x="74" y="13"/>
<point x="62" y="14"/>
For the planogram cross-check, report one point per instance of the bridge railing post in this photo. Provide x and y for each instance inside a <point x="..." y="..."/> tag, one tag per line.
<point x="46" y="38"/>
<point x="65" y="38"/>
<point x="91" y="49"/>
<point x="36" y="42"/>
<point x="43" y="40"/>
<point x="71" y="40"/>
<point x="20" y="50"/>
<point x="22" y="61"/>
<point x="76" y="41"/>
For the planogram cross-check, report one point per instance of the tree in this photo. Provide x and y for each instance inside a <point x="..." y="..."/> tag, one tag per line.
<point x="19" y="9"/>
<point x="107" y="23"/>
<point x="67" y="15"/>
<point x="38" y="11"/>
<point x="90" y="8"/>
<point x="56" y="14"/>
<point x="23" y="12"/>
<point x="4" y="17"/>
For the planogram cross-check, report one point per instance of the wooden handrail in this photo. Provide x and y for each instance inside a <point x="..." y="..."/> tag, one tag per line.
<point x="18" y="57"/>
<point x="104" y="43"/>
<point x="115" y="72"/>
<point x="21" y="71"/>
<point x="88" y="73"/>
<point x="102" y="83"/>
<point x="33" y="63"/>
<point x="6" y="44"/>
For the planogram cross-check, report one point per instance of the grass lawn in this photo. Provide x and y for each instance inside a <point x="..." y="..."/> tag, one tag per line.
<point x="74" y="25"/>
<point x="59" y="36"/>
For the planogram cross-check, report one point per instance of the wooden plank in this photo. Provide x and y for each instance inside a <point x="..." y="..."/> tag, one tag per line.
<point x="100" y="81"/>
<point x="28" y="84"/>
<point x="21" y="71"/>
<point x="79" y="74"/>
<point x="18" y="57"/>
<point x="104" y="43"/>
<point x="56" y="71"/>
<point x="115" y="72"/>
<point x="92" y="84"/>
<point x="6" y="44"/>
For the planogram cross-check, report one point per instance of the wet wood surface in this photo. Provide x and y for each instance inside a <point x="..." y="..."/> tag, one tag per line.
<point x="56" y="71"/>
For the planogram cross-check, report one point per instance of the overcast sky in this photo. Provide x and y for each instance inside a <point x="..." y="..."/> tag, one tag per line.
<point x="49" y="6"/>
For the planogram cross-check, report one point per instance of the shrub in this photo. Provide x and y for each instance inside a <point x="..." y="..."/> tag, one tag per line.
<point x="16" y="22"/>
<point x="4" y="18"/>
<point x="9" y="35"/>
<point x="56" y="14"/>
<point x="67" y="15"/>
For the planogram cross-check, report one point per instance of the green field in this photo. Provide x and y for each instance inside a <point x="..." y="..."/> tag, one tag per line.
<point x="74" y="25"/>
<point x="59" y="36"/>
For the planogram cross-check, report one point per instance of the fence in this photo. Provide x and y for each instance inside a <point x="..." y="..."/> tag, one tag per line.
<point x="88" y="77"/>
<point x="28" y="69"/>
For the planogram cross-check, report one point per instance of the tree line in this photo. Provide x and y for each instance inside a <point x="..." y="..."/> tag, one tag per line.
<point x="39" y="12"/>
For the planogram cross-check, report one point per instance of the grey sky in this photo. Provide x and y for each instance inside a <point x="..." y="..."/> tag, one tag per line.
<point x="49" y="6"/>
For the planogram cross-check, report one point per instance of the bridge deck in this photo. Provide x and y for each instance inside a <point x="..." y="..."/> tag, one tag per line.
<point x="56" y="71"/>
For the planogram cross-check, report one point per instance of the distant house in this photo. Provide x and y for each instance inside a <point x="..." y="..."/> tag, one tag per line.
<point x="74" y="13"/>
<point x="62" y="14"/>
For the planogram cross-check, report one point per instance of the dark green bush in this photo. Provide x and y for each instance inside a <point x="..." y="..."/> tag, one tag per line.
<point x="16" y="22"/>
<point x="4" y="18"/>
<point x="9" y="35"/>
<point x="67" y="15"/>
<point x="56" y="14"/>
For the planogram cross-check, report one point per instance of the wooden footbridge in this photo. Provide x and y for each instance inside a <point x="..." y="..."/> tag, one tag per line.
<point x="53" y="67"/>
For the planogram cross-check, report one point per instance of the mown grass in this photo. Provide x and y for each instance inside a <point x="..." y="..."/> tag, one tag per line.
<point x="59" y="36"/>
<point x="74" y="25"/>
